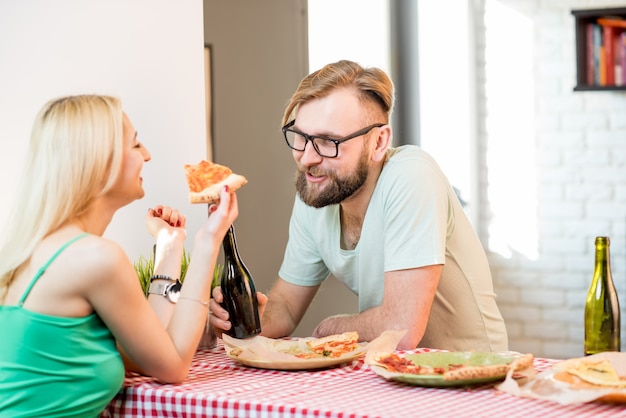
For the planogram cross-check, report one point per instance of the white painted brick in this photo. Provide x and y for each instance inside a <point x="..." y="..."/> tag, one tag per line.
<point x="575" y="298"/>
<point x="581" y="265"/>
<point x="606" y="102"/>
<point x="583" y="192"/>
<point x="562" y="350"/>
<point x="606" y="138"/>
<point x="561" y="315"/>
<point x="561" y="104"/>
<point x="600" y="174"/>
<point x="548" y="121"/>
<point x="617" y="120"/>
<point x="577" y="332"/>
<point x="525" y="345"/>
<point x="549" y="84"/>
<point x="548" y="229"/>
<point x="560" y="174"/>
<point x="554" y="69"/>
<point x="584" y="120"/>
<point x="560" y="245"/>
<point x="563" y="281"/>
<point x="544" y="264"/>
<point x="560" y="140"/>
<point x="520" y="312"/>
<point x="514" y="330"/>
<point x="542" y="297"/>
<point x="602" y="210"/>
<point x="546" y="331"/>
<point x="582" y="156"/>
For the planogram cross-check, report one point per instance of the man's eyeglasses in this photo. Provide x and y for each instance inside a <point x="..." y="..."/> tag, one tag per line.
<point x="325" y="147"/>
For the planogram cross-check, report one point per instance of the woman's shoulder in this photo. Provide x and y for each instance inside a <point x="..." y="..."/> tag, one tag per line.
<point x="101" y="248"/>
<point x="95" y="255"/>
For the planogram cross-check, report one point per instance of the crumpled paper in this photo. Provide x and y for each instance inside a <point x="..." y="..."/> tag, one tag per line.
<point x="278" y="350"/>
<point x="557" y="385"/>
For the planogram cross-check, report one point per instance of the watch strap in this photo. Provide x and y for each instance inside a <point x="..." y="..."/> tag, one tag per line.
<point x="170" y="291"/>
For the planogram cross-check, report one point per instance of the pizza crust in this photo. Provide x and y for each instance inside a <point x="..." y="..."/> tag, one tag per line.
<point x="479" y="372"/>
<point x="212" y="193"/>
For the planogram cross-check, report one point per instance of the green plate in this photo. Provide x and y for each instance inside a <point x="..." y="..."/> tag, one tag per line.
<point x="444" y="359"/>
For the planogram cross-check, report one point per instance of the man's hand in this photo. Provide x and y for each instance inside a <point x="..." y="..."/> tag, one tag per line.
<point x="411" y="313"/>
<point x="218" y="316"/>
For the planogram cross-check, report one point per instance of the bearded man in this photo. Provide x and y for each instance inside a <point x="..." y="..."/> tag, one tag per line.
<point x="384" y="221"/>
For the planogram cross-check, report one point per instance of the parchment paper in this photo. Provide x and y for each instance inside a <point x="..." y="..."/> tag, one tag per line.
<point x="559" y="386"/>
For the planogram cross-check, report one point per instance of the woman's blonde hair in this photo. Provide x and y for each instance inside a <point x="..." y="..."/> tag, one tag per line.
<point x="74" y="156"/>
<point x="373" y="85"/>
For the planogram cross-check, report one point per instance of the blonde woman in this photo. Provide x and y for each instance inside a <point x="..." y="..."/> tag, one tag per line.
<point x="72" y="310"/>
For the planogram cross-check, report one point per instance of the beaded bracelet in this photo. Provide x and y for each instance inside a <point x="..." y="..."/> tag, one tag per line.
<point x="161" y="277"/>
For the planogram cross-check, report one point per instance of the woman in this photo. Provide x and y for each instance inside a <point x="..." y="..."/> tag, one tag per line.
<point x="71" y="307"/>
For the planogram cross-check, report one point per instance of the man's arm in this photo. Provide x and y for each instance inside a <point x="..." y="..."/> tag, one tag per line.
<point x="407" y="299"/>
<point x="286" y="306"/>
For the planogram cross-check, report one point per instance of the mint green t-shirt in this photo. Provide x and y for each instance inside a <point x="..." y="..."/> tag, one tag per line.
<point x="53" y="366"/>
<point x="413" y="219"/>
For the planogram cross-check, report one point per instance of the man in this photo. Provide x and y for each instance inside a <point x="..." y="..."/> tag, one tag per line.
<point x="383" y="221"/>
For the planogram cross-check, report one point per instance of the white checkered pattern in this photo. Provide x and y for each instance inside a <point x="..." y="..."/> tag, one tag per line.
<point x="219" y="387"/>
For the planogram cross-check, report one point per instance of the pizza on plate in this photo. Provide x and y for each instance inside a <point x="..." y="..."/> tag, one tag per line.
<point x="206" y="179"/>
<point x="396" y="363"/>
<point x="332" y="345"/>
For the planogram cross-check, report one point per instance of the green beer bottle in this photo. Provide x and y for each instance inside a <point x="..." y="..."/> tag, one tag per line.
<point x="602" y="314"/>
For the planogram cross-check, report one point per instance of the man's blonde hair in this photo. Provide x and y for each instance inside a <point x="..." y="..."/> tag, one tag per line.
<point x="74" y="156"/>
<point x="373" y="84"/>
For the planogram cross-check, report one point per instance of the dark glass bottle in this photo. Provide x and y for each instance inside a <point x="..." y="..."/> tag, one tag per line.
<point x="239" y="292"/>
<point x="602" y="314"/>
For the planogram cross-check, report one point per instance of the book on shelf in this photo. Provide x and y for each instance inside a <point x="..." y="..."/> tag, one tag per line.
<point x="608" y="44"/>
<point x="616" y="22"/>
<point x="617" y="61"/>
<point x="591" y="58"/>
<point x="605" y="48"/>
<point x="598" y="57"/>
<point x="622" y="56"/>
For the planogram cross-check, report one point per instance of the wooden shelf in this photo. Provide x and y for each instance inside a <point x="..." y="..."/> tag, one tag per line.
<point x="582" y="19"/>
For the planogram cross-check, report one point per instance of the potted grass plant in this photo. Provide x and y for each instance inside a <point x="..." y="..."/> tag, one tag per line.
<point x="144" y="267"/>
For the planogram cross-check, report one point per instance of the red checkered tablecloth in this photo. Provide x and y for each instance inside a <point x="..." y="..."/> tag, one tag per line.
<point x="219" y="387"/>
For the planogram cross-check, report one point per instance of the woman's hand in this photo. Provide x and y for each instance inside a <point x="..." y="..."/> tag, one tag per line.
<point x="164" y="218"/>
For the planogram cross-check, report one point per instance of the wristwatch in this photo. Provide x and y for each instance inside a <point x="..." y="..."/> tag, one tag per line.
<point x="169" y="291"/>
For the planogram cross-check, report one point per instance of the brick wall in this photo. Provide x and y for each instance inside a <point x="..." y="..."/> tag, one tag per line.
<point x="577" y="173"/>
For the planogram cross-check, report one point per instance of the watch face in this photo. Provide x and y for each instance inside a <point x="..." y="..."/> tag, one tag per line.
<point x="173" y="291"/>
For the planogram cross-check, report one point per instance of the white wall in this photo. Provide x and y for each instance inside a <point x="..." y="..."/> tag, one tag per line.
<point x="563" y="152"/>
<point x="147" y="52"/>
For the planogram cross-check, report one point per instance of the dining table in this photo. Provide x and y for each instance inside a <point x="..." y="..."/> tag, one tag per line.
<point x="218" y="386"/>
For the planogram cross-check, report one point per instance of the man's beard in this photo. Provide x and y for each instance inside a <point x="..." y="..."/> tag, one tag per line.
<point x="336" y="190"/>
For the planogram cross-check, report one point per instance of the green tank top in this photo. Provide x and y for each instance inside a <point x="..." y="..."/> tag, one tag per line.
<point x="55" y="366"/>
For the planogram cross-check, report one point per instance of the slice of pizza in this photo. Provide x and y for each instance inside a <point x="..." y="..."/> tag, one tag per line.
<point x="597" y="372"/>
<point x="398" y="364"/>
<point x="334" y="345"/>
<point x="449" y="372"/>
<point x="206" y="179"/>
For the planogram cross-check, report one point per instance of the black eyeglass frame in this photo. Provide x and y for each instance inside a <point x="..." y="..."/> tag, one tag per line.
<point x="310" y="138"/>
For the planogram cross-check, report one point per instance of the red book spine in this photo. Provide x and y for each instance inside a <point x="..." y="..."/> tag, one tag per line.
<point x="609" y="59"/>
<point x="622" y="46"/>
<point x="617" y="53"/>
